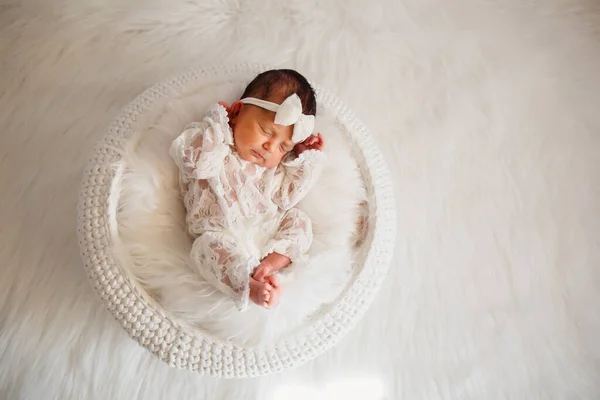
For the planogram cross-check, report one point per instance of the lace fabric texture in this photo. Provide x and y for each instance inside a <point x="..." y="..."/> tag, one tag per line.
<point x="239" y="211"/>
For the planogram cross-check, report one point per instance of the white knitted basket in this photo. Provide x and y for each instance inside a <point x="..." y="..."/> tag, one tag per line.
<point x="173" y="341"/>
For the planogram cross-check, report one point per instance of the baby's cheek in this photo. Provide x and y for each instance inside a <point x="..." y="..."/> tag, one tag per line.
<point x="273" y="162"/>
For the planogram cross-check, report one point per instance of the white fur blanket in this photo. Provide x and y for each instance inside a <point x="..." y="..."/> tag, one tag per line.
<point x="487" y="113"/>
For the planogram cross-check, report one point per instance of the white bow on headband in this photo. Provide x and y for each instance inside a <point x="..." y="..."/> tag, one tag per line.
<point x="288" y="113"/>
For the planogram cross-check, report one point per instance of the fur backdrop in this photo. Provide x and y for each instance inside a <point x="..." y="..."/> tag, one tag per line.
<point x="487" y="114"/>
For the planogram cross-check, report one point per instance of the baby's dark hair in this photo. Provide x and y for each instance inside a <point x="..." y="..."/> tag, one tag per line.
<point x="284" y="82"/>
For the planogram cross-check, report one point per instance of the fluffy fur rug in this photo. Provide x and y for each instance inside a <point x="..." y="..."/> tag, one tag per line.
<point x="487" y="113"/>
<point x="153" y="245"/>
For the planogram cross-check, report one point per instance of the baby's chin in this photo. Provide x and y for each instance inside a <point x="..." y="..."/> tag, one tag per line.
<point x="265" y="163"/>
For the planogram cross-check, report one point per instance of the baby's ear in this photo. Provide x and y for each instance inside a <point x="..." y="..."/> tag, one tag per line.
<point x="233" y="112"/>
<point x="235" y="109"/>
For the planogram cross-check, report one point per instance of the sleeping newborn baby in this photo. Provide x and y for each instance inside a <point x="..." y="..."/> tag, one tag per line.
<point x="243" y="170"/>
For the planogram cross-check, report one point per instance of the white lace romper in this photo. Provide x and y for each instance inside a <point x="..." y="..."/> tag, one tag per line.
<point x="238" y="211"/>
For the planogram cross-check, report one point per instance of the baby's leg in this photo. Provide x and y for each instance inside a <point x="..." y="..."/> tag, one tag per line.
<point x="290" y="243"/>
<point x="226" y="266"/>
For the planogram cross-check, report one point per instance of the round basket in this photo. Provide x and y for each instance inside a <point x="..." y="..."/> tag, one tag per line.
<point x="171" y="340"/>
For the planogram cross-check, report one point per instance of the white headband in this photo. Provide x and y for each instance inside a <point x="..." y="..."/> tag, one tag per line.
<point x="288" y="113"/>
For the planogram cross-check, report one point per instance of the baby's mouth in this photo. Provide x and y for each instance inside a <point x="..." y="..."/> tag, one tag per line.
<point x="258" y="155"/>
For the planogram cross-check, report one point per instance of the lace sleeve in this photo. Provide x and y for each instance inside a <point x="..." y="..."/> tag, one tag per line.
<point x="299" y="175"/>
<point x="199" y="151"/>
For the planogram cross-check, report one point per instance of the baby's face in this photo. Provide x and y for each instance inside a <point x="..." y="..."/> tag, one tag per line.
<point x="257" y="138"/>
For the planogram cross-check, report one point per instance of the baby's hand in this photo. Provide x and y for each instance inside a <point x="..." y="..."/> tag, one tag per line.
<point x="313" y="142"/>
<point x="262" y="272"/>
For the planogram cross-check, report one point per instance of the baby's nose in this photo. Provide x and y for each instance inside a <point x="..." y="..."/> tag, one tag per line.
<point x="268" y="146"/>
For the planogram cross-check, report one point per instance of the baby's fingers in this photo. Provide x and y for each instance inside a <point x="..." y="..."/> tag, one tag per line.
<point x="310" y="140"/>
<point x="259" y="274"/>
<point x="300" y="147"/>
<point x="274" y="281"/>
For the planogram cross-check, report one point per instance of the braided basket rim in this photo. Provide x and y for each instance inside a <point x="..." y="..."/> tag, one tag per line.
<point x="182" y="346"/>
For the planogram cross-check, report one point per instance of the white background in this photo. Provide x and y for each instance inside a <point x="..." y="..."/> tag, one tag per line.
<point x="488" y="113"/>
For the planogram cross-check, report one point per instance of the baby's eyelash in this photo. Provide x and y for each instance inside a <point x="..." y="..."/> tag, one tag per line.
<point x="285" y="149"/>
<point x="265" y="132"/>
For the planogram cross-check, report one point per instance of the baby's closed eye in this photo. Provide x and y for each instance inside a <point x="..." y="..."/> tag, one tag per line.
<point x="265" y="132"/>
<point x="287" y="147"/>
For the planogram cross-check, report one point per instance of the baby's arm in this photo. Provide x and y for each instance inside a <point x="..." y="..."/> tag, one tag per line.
<point x="300" y="172"/>
<point x="290" y="244"/>
<point x="200" y="149"/>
